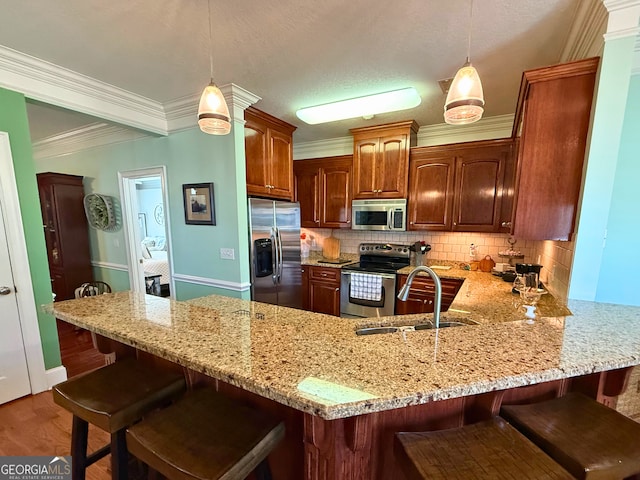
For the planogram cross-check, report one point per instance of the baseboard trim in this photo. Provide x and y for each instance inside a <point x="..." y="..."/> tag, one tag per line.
<point x="55" y="376"/>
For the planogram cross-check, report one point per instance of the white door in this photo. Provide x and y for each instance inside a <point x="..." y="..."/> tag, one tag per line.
<point x="14" y="375"/>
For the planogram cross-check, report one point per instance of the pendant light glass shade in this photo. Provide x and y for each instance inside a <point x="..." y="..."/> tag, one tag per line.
<point x="465" y="100"/>
<point x="213" y="113"/>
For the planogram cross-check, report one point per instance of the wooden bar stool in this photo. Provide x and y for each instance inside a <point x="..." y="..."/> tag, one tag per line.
<point x="590" y="440"/>
<point x="112" y="398"/>
<point x="486" y="450"/>
<point x="206" y="436"/>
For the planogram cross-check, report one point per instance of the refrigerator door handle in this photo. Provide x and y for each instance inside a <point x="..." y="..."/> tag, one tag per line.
<point x="280" y="255"/>
<point x="276" y="261"/>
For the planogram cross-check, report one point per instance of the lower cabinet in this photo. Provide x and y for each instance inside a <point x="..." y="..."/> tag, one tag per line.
<point x="422" y="294"/>
<point x="321" y="289"/>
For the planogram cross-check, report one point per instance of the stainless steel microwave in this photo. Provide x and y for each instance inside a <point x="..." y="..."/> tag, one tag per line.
<point x="385" y="214"/>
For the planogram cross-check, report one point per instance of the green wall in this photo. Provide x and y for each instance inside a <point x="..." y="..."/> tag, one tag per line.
<point x="616" y="284"/>
<point x="603" y="167"/>
<point x="13" y="120"/>
<point x="189" y="156"/>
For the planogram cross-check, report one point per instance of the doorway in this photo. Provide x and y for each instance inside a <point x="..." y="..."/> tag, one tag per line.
<point x="146" y="230"/>
<point x="22" y="369"/>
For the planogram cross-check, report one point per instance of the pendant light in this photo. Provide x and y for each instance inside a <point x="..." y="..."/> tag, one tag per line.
<point x="213" y="113"/>
<point x="465" y="99"/>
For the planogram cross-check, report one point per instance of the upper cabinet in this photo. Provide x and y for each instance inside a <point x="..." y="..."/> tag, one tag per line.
<point x="461" y="187"/>
<point x="431" y="174"/>
<point x="323" y="188"/>
<point x="552" y="119"/>
<point x="381" y="159"/>
<point x="269" y="154"/>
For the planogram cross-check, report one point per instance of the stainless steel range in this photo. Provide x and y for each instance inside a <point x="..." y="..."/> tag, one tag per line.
<point x="368" y="288"/>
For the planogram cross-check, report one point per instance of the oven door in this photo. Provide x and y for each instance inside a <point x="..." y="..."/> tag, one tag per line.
<point x="351" y="306"/>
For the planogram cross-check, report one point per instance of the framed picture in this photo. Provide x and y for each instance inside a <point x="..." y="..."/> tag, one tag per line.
<point x="198" y="204"/>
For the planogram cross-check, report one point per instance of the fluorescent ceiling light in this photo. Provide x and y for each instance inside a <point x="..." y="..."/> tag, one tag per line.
<point x="361" y="107"/>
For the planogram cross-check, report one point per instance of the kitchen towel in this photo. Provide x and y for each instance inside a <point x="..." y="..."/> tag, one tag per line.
<point x="366" y="286"/>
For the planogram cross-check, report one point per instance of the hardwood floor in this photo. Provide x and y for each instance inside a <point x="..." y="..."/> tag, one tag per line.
<point x="34" y="425"/>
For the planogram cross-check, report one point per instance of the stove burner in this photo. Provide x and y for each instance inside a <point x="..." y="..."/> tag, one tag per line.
<point x="381" y="258"/>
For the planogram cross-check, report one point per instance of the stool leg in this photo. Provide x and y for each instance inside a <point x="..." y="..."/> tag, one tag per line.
<point x="262" y="471"/>
<point x="79" y="433"/>
<point x="119" y="456"/>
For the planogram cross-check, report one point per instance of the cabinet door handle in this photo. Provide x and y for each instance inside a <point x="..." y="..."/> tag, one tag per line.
<point x="506" y="224"/>
<point x="337" y="289"/>
<point x="5" y="290"/>
<point x="410" y="223"/>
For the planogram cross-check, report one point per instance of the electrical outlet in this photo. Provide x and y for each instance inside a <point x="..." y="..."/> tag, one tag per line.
<point x="227" y="253"/>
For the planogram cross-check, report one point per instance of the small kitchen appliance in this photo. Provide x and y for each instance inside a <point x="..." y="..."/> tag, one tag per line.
<point x="368" y="288"/>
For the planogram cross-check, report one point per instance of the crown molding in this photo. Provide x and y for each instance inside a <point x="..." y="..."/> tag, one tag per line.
<point x="49" y="83"/>
<point x="486" y="129"/>
<point x="586" y="33"/>
<point x="323" y="148"/>
<point x="90" y="136"/>
<point x="623" y="18"/>
<point x="238" y="99"/>
<point x="182" y="113"/>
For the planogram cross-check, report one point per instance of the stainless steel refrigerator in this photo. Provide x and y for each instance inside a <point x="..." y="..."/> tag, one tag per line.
<point x="275" y="252"/>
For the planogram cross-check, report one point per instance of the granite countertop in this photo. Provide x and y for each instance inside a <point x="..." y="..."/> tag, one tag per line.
<point x="316" y="259"/>
<point x="317" y="364"/>
<point x="483" y="297"/>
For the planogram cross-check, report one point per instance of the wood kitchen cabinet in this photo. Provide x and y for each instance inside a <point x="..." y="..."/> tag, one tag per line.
<point x="322" y="294"/>
<point x="431" y="175"/>
<point x="461" y="187"/>
<point x="269" y="155"/>
<point x="479" y="182"/>
<point x="323" y="189"/>
<point x="66" y="232"/>
<point x="552" y="120"/>
<point x="381" y="159"/>
<point x="422" y="294"/>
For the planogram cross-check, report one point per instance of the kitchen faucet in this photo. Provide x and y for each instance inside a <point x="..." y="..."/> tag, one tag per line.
<point x="404" y="291"/>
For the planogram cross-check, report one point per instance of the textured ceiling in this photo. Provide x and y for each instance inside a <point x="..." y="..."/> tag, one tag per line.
<point x="292" y="53"/>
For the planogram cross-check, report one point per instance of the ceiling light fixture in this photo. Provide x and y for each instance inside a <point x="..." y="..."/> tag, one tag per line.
<point x="365" y="107"/>
<point x="213" y="113"/>
<point x="465" y="100"/>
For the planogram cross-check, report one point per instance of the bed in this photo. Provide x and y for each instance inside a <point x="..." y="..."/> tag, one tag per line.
<point x="155" y="262"/>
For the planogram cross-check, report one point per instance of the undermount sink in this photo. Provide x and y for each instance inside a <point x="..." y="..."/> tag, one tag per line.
<point x="406" y="328"/>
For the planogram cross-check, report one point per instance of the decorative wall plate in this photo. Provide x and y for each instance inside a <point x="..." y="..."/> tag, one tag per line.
<point x="158" y="214"/>
<point x="99" y="211"/>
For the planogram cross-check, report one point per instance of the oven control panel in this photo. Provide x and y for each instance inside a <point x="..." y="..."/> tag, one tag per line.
<point x="385" y="249"/>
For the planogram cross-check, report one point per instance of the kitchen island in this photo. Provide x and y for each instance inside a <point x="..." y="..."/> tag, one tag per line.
<point x="343" y="395"/>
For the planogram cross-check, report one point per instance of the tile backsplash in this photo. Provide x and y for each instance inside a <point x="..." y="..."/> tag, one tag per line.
<point x="556" y="257"/>
<point x="452" y="246"/>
